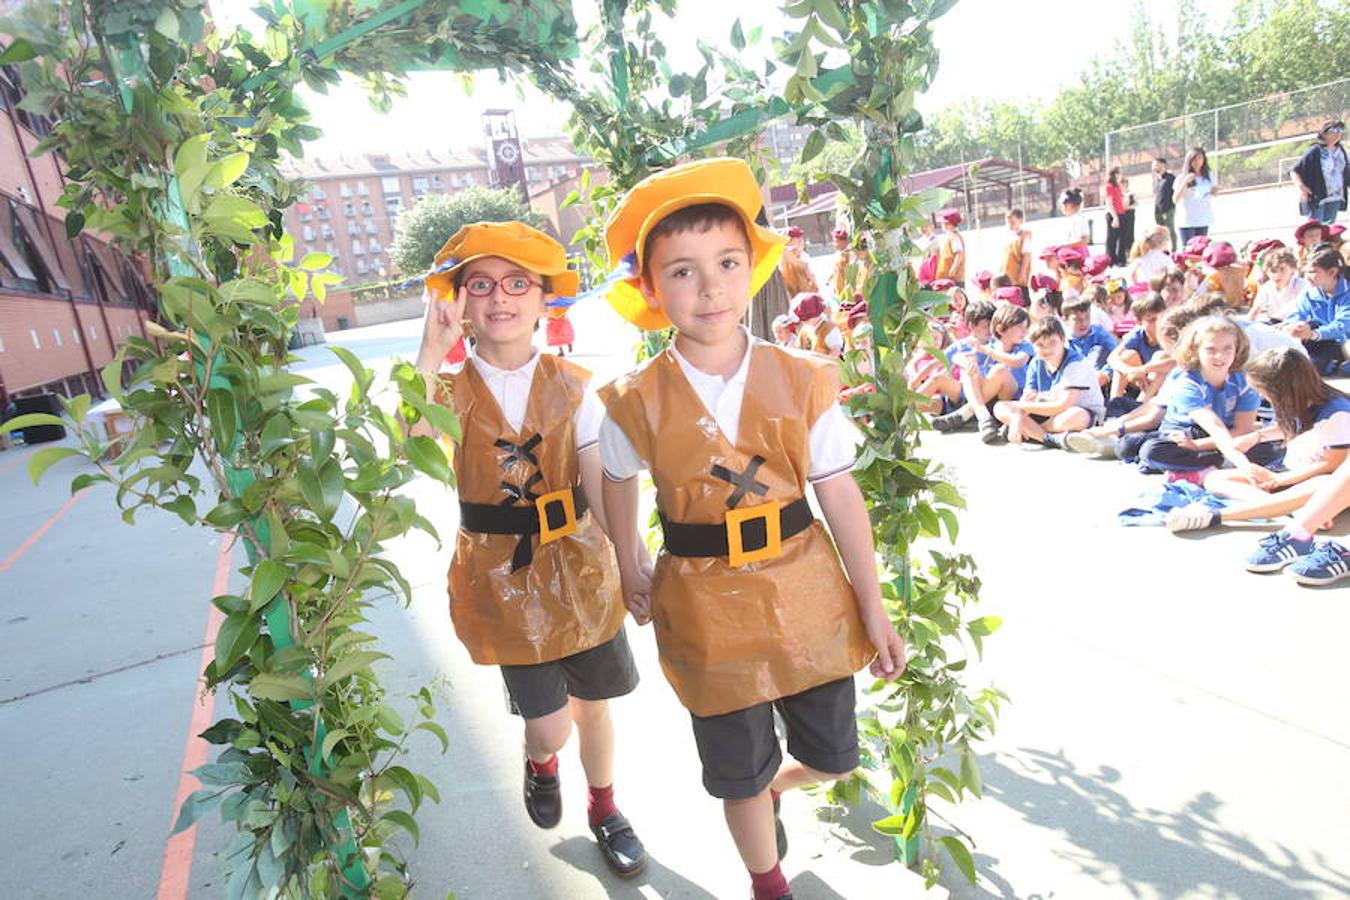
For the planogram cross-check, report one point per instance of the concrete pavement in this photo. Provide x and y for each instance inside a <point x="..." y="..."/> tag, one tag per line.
<point x="1176" y="726"/>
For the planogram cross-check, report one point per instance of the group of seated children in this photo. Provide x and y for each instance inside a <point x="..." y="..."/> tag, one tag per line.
<point x="1140" y="373"/>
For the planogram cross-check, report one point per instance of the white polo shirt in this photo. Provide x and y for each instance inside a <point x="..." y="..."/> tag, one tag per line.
<point x="833" y="439"/>
<point x="511" y="389"/>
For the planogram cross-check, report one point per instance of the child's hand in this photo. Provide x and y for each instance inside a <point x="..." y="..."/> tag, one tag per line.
<point x="1245" y="442"/>
<point x="441" y="329"/>
<point x="1015" y="429"/>
<point x="1260" y="476"/>
<point x="890" y="661"/>
<point x="637" y="591"/>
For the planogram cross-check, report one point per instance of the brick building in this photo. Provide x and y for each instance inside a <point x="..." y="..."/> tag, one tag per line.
<point x="351" y="210"/>
<point x="65" y="305"/>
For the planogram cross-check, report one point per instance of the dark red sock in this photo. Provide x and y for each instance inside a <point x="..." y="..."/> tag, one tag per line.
<point x="601" y="805"/>
<point x="769" y="885"/>
<point x="776" y="795"/>
<point x="545" y="768"/>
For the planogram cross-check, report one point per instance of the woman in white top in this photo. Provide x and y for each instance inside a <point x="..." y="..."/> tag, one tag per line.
<point x="1194" y="188"/>
<point x="1279" y="293"/>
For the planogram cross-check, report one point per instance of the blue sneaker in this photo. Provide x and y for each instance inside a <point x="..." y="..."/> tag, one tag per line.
<point x="1327" y="564"/>
<point x="1277" y="551"/>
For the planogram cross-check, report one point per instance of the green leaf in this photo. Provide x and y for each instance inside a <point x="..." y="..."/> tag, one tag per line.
<point x="28" y="420"/>
<point x="191" y="154"/>
<point x="195" y="806"/>
<point x="240" y="211"/>
<point x="322" y="490"/>
<point x="350" y="664"/>
<point x="74" y="224"/>
<point x="985" y="625"/>
<point x="184" y="508"/>
<point x="390" y="887"/>
<point x="315" y="261"/>
<point x="960" y="855"/>
<point x="268" y="577"/>
<point x="389" y="720"/>
<point x="237" y="633"/>
<point x="427" y="457"/>
<point x="893" y="825"/>
<point x="437" y="730"/>
<point x="330" y="740"/>
<point x="406" y="782"/>
<point x="403" y="820"/>
<point x="227" y="171"/>
<point x="970" y="773"/>
<point x="167" y="24"/>
<point x="220" y="408"/>
<point x="111" y="375"/>
<point x="227" y="514"/>
<point x="737" y="35"/>
<point x="45" y="459"/>
<point x="281" y="687"/>
<point x="19" y="50"/>
<point x="815" y="143"/>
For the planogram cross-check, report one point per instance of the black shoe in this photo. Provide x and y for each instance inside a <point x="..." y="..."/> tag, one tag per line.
<point x="953" y="421"/>
<point x="543" y="799"/>
<point x="779" y="832"/>
<point x="994" y="433"/>
<point x="620" y="846"/>
<point x="1055" y="440"/>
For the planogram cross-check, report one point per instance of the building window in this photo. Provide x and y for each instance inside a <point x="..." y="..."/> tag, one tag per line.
<point x="469" y="179"/>
<point x="357" y="249"/>
<point x="349" y="209"/>
<point x="306" y="217"/>
<point x="393" y="204"/>
<point x="318" y="194"/>
<point x="374" y="245"/>
<point x="363" y="189"/>
<point x="75" y="334"/>
<point x="436" y="182"/>
<point x="37" y="345"/>
<point x="372" y="228"/>
<point x="309" y="233"/>
<point x="360" y="267"/>
<point x="327" y="232"/>
<point x="93" y="332"/>
<point x="353" y="228"/>
<point x="323" y="214"/>
<point x="344" y="190"/>
<point x="56" y="336"/>
<point x="421" y="184"/>
<point x="367" y="209"/>
<point x="2" y="345"/>
<point x="531" y="174"/>
<point x="389" y="184"/>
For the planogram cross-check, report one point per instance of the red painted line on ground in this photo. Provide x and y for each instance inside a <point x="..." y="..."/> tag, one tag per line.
<point x="13" y="465"/>
<point x="33" y="538"/>
<point x="176" y="869"/>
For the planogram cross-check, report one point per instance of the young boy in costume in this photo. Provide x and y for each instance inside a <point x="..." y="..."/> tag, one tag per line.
<point x="752" y="608"/>
<point x="533" y="584"/>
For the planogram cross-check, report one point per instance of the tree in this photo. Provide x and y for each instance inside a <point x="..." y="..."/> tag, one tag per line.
<point x="425" y="228"/>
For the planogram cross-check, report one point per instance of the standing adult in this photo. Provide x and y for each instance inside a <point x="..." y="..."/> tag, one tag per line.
<point x="1017" y="256"/>
<point x="1164" y="205"/>
<point x="1115" y="217"/>
<point x="1320" y="175"/>
<point x="1192" y="193"/>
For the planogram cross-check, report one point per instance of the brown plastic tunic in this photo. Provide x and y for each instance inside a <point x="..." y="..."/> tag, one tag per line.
<point x="813" y="336"/>
<point x="732" y="637"/>
<point x="567" y="599"/>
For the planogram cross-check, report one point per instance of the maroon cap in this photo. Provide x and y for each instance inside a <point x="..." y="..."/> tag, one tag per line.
<point x="807" y="306"/>
<point x="1051" y="252"/>
<point x="983" y="278"/>
<point x="1334" y="231"/>
<point x="950" y="216"/>
<point x="1304" y="228"/>
<point x="1009" y="293"/>
<point x="1220" y="254"/>
<point x="1069" y="255"/>
<point x="942" y="284"/>
<point x="1043" y="283"/>
<point x="1197" y="244"/>
<point x="857" y="315"/>
<point x="1139" y="287"/>
<point x="1097" y="264"/>
<point x="794" y="232"/>
<point x="840" y="234"/>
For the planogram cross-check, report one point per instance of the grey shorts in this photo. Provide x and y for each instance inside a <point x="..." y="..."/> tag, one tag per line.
<point x="596" y="674"/>
<point x="740" y="753"/>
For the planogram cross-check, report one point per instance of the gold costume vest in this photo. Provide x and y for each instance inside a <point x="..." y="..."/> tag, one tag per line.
<point x="731" y="637"/>
<point x="567" y="598"/>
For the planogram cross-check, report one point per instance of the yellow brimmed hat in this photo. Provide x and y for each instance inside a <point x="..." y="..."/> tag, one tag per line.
<point x="725" y="180"/>
<point x="527" y="247"/>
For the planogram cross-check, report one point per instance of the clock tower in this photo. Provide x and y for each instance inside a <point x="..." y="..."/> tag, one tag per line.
<point x="505" y="158"/>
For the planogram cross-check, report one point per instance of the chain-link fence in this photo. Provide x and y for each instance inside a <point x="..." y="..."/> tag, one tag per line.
<point x="1249" y="144"/>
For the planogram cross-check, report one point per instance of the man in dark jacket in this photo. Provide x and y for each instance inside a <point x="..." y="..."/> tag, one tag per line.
<point x="1321" y="175"/>
<point x="1164" y="206"/>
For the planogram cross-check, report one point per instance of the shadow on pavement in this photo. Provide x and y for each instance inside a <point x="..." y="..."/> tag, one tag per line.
<point x="1166" y="853"/>
<point x="809" y="886"/>
<point x="852" y="828"/>
<point x="583" y="854"/>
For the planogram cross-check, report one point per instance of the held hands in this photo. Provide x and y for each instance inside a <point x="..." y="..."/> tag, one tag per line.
<point x="1259" y="476"/>
<point x="637" y="590"/>
<point x="890" y="661"/>
<point x="441" y="329"/>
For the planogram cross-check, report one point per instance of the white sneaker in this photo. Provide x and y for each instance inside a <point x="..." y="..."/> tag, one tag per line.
<point x="1192" y="517"/>
<point x="1087" y="445"/>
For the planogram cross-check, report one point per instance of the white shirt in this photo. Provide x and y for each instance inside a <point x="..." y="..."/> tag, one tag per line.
<point x="1194" y="209"/>
<point x="1076" y="229"/>
<point x="833" y="439"/>
<point x="1310" y="447"/>
<point x="511" y="389"/>
<point x="1276" y="303"/>
<point x="1265" y="337"/>
<point x="1151" y="263"/>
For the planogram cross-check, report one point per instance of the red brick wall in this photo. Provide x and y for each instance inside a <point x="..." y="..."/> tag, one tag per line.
<point x="335" y="304"/>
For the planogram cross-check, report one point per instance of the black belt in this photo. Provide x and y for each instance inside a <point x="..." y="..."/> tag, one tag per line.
<point x="547" y="516"/>
<point x="752" y="527"/>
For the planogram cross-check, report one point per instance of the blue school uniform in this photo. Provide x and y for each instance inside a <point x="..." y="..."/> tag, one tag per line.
<point x="1328" y="313"/>
<point x="1073" y="372"/>
<point x="1137" y="340"/>
<point x="1191" y="392"/>
<point x="1019" y="374"/>
<point x="1095" y="346"/>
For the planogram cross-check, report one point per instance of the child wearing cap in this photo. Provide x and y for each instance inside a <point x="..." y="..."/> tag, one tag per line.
<point x="817" y="331"/>
<point x="795" y="268"/>
<point x="752" y="608"/>
<point x="533" y="584"/>
<point x="840" y="282"/>
<point x="1227" y="275"/>
<point x="1307" y="236"/>
<point x="951" y="260"/>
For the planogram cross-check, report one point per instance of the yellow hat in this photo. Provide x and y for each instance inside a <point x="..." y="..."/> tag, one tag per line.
<point x="724" y="180"/>
<point x="527" y="247"/>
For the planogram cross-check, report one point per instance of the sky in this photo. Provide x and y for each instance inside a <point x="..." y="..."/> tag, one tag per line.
<point x="1022" y="50"/>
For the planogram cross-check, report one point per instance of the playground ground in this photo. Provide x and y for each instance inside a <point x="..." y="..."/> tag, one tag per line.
<point x="1177" y="726"/>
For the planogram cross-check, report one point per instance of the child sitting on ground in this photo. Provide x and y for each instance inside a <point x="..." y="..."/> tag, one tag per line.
<point x="1278" y="295"/>
<point x="1132" y="362"/>
<point x="1226" y="275"/>
<point x="1150" y="257"/>
<point x="1314" y="418"/>
<point x="997" y="371"/>
<point x="1092" y="342"/>
<point x="1321" y="320"/>
<point x="1121" y="436"/>
<point x="944" y="386"/>
<point x="1061" y="392"/>
<point x="1210" y="406"/>
<point x="1171" y="285"/>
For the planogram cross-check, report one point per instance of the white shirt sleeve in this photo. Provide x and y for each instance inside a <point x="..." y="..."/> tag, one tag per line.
<point x="586" y="420"/>
<point x="617" y="454"/>
<point x="1335" y="431"/>
<point x="834" y="443"/>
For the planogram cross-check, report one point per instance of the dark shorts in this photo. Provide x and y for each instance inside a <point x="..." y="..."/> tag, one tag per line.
<point x="740" y="753"/>
<point x="596" y="674"/>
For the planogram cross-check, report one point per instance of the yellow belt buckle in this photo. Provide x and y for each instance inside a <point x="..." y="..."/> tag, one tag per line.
<point x="737" y="555"/>
<point x="543" y="504"/>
